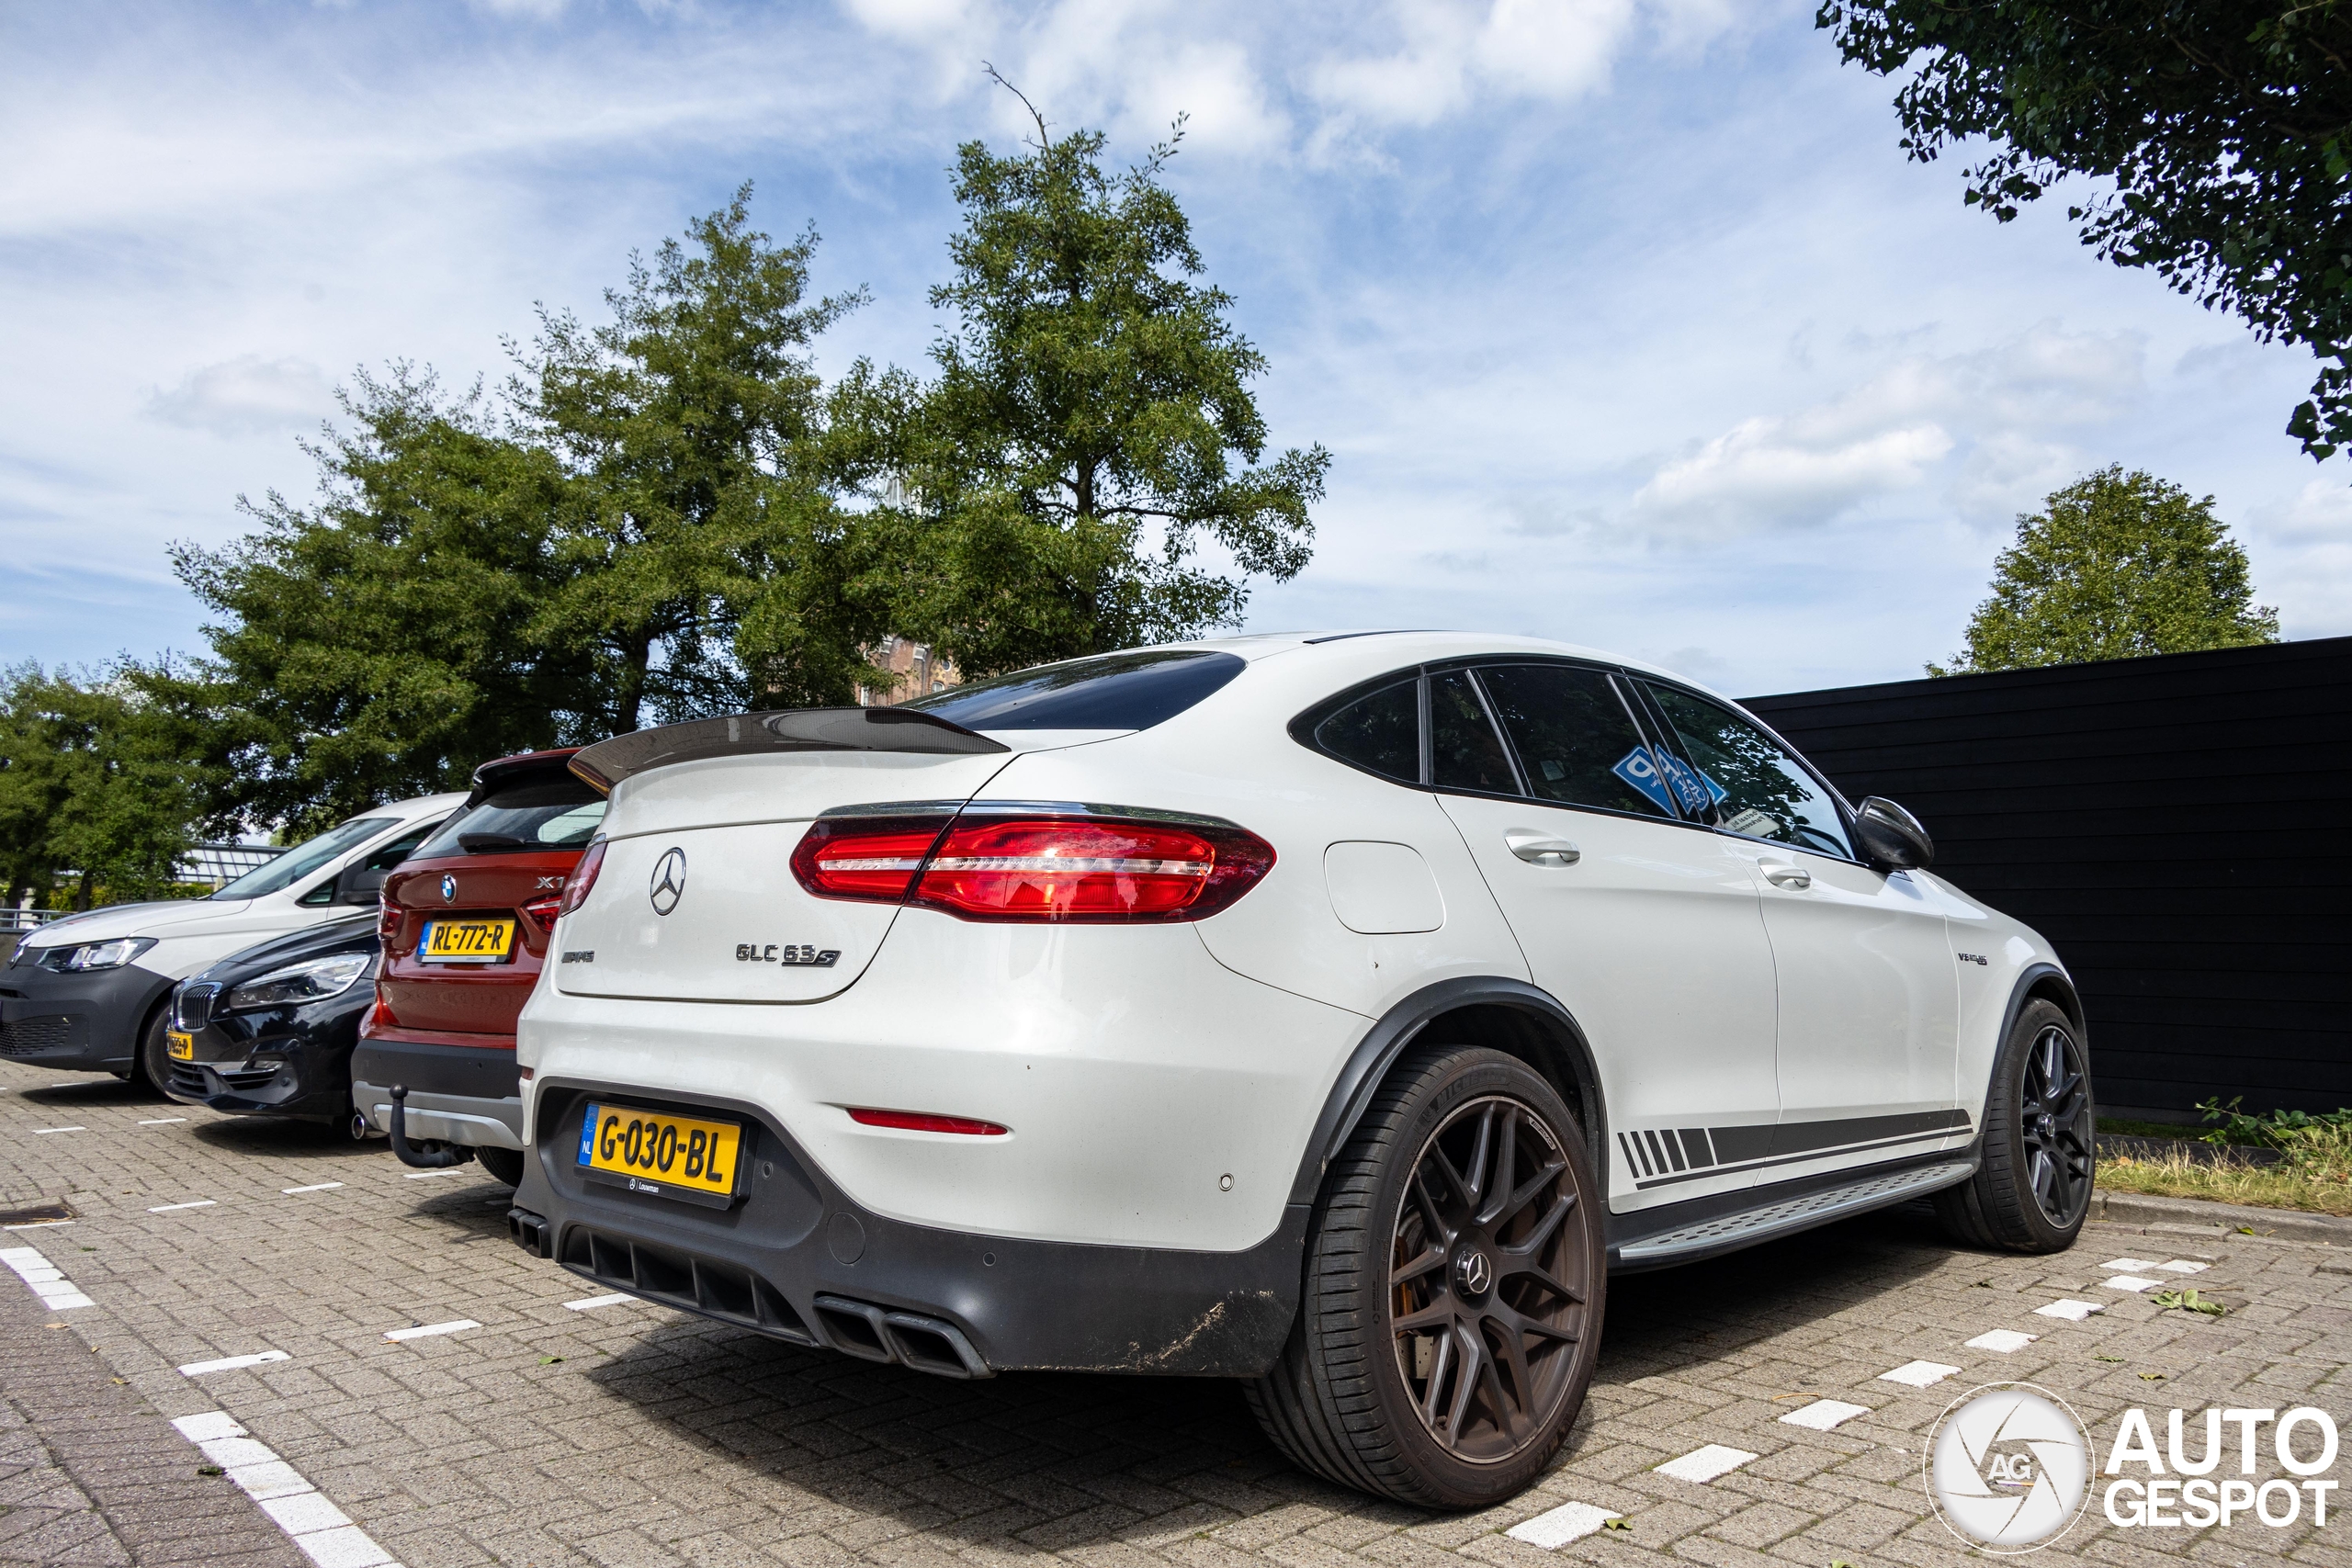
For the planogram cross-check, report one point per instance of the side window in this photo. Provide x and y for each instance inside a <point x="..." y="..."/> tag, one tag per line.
<point x="1464" y="750"/>
<point x="1381" y="732"/>
<point x="391" y="851"/>
<point x="1759" y="789"/>
<point x="1576" y="740"/>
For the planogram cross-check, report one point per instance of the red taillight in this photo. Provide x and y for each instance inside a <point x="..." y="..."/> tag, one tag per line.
<point x="387" y="925"/>
<point x="582" y="877"/>
<point x="871" y="859"/>
<point x="1036" y="866"/>
<point x="545" y="910"/>
<point x="923" y="1121"/>
<point x="379" y="1017"/>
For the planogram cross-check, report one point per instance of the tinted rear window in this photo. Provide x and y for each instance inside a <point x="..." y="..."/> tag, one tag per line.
<point x="1116" y="691"/>
<point x="1381" y="733"/>
<point x="545" y="811"/>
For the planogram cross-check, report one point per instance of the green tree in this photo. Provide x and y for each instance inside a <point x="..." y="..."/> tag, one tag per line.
<point x="2217" y="130"/>
<point x="1048" y="492"/>
<point x="2115" y="566"/>
<point x="382" y="642"/>
<point x="642" y="530"/>
<point x="91" y="782"/>
<point x="709" y="569"/>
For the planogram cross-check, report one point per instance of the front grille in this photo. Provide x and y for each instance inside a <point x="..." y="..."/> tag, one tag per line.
<point x="29" y="1036"/>
<point x="193" y="1009"/>
<point x="190" y="1078"/>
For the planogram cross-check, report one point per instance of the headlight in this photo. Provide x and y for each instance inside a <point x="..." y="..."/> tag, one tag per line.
<point x="299" y="983"/>
<point x="100" y="955"/>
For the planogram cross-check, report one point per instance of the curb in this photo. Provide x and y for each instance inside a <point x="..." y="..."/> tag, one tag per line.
<point x="2221" y="1219"/>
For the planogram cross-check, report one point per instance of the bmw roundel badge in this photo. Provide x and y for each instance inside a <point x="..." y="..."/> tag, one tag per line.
<point x="669" y="881"/>
<point x="448" y="888"/>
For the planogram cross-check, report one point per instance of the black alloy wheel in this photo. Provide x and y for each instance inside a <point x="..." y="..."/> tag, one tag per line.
<point x="2054" y="1121"/>
<point x="1486" y="1327"/>
<point x="1453" y="1287"/>
<point x="2037" y="1149"/>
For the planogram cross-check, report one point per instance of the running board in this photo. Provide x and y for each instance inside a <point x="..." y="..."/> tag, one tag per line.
<point x="1727" y="1233"/>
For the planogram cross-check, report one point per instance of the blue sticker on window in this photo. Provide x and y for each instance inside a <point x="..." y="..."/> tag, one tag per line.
<point x="1697" y="791"/>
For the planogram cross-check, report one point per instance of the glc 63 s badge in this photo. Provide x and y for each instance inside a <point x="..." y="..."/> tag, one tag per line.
<point x="788" y="955"/>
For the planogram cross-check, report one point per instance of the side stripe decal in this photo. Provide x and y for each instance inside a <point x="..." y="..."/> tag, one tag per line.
<point x="1661" y="1155"/>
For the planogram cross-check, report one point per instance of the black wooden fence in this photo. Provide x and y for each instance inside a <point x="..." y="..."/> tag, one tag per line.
<point x="2179" y="827"/>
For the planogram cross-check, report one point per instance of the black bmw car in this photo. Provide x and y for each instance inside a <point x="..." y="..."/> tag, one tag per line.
<point x="269" y="1030"/>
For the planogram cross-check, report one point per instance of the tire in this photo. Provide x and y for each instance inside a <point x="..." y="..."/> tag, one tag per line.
<point x="501" y="1165"/>
<point x="152" y="1066"/>
<point x="2032" y="1188"/>
<point x="1362" y="1399"/>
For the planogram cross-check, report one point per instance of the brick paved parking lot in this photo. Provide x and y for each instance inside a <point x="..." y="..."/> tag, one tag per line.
<point x="624" y="1434"/>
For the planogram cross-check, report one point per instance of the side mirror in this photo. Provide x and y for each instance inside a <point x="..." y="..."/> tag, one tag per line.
<point x="359" y="883"/>
<point x="1890" y="838"/>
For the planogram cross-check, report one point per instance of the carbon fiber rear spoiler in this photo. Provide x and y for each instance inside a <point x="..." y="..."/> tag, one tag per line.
<point x="608" y="763"/>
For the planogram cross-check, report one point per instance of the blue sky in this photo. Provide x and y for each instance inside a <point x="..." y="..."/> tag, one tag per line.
<point x="1625" y="321"/>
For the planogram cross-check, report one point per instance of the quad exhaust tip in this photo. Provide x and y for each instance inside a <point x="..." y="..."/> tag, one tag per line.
<point x="878" y="1333"/>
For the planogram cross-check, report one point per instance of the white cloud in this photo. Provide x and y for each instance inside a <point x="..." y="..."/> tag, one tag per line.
<point x="246" y="396"/>
<point x="1782" y="471"/>
<point x="2001" y="405"/>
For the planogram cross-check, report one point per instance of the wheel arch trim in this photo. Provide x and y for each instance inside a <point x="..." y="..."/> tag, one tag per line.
<point x="1399" y="1029"/>
<point x="2045" y="980"/>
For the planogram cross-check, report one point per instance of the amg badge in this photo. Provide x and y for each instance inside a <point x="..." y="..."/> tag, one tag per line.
<point x="794" y="958"/>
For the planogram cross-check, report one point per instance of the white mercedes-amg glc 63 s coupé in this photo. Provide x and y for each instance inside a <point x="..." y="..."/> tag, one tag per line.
<point x="1335" y="1013"/>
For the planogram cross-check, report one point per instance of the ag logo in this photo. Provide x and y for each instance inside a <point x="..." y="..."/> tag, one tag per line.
<point x="2008" y="1468"/>
<point x="669" y="881"/>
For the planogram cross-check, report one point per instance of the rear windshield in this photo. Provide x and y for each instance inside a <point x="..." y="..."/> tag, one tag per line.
<point x="546" y="811"/>
<point x="1113" y="690"/>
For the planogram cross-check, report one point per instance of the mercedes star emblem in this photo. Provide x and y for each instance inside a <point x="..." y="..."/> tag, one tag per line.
<point x="448" y="889"/>
<point x="669" y="881"/>
<point x="1475" y="1271"/>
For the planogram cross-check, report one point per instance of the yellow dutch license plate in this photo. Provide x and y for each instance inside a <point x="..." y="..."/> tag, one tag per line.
<point x="664" y="1155"/>
<point x="180" y="1047"/>
<point x="466" y="941"/>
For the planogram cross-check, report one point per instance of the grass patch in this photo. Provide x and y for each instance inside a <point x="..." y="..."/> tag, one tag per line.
<point x="2314" y="1170"/>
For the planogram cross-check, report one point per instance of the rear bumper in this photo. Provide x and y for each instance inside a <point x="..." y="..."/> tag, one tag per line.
<point x="457" y="1094"/>
<point x="79" y="1022"/>
<point x="797" y="1259"/>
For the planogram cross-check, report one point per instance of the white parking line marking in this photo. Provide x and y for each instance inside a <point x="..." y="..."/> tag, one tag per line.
<point x="1824" y="1414"/>
<point x="2072" y="1311"/>
<point x="231" y="1363"/>
<point x="592" y="1302"/>
<point x="45" y="1131"/>
<point x="43" y="1277"/>
<point x="314" y="1187"/>
<point x="162" y="1120"/>
<point x="1919" y="1374"/>
<point x="171" y="1208"/>
<point x="1569" y="1522"/>
<point x="427" y="1331"/>
<point x="324" y="1531"/>
<point x="2127" y="1264"/>
<point x="429" y="1175"/>
<point x="2183" y="1266"/>
<point x="1704" y="1465"/>
<point x="36" y="1226"/>
<point x="2129" y="1282"/>
<point x="2005" y="1340"/>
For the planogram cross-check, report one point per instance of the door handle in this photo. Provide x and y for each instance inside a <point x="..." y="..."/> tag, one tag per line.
<point x="1541" y="848"/>
<point x="1788" y="877"/>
